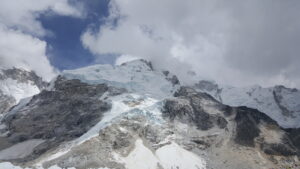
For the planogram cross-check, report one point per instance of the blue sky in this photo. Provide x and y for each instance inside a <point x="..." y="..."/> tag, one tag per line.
<point x="64" y="49"/>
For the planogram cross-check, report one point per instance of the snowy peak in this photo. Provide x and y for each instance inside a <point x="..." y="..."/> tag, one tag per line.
<point x="280" y="103"/>
<point x="139" y="65"/>
<point x="135" y="76"/>
<point x="23" y="76"/>
<point x="16" y="84"/>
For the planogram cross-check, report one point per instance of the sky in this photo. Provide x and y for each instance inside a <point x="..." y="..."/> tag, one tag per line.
<point x="232" y="42"/>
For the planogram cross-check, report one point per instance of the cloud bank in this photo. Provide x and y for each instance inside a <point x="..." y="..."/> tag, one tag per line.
<point x="233" y="42"/>
<point x="21" y="32"/>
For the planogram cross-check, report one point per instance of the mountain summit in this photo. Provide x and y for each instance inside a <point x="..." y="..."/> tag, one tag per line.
<point x="17" y="84"/>
<point x="134" y="116"/>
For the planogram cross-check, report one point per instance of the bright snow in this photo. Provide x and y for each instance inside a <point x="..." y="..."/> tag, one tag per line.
<point x="135" y="76"/>
<point x="167" y="157"/>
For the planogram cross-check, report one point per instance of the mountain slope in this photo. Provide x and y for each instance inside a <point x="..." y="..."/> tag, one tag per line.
<point x="133" y="117"/>
<point x="280" y="103"/>
<point x="135" y="76"/>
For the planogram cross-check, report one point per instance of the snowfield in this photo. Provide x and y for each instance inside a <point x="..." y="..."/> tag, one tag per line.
<point x="18" y="90"/>
<point x="135" y="76"/>
<point x="170" y="156"/>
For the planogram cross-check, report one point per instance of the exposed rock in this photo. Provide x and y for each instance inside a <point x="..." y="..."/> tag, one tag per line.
<point x="191" y="121"/>
<point x="172" y="78"/>
<point x="209" y="87"/>
<point x="6" y="102"/>
<point x="122" y="140"/>
<point x="278" y="149"/>
<point x="206" y="85"/>
<point x="148" y="63"/>
<point x="58" y="115"/>
<point x="278" y="102"/>
<point x="117" y="138"/>
<point x="247" y="128"/>
<point x="202" y="110"/>
<point x="294" y="135"/>
<point x="189" y="107"/>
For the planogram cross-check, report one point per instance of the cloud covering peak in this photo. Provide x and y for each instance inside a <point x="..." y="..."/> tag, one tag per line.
<point x="234" y="42"/>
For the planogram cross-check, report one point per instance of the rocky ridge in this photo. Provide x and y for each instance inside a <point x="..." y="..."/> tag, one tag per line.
<point x="16" y="84"/>
<point x="280" y="103"/>
<point x="111" y="117"/>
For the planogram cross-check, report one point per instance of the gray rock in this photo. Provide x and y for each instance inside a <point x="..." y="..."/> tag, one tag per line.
<point x="191" y="107"/>
<point x="294" y="136"/>
<point x="122" y="140"/>
<point x="278" y="149"/>
<point x="62" y="114"/>
<point x="188" y="107"/>
<point x="171" y="78"/>
<point x="6" y="102"/>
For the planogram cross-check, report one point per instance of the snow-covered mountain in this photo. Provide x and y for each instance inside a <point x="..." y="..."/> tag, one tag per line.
<point x="16" y="84"/>
<point x="135" y="117"/>
<point x="280" y="103"/>
<point x="136" y="76"/>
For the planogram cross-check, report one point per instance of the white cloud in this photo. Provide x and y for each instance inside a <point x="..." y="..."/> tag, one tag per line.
<point x="20" y="31"/>
<point x="233" y="42"/>
<point x="23" y="14"/>
<point x="24" y="51"/>
<point x="124" y="59"/>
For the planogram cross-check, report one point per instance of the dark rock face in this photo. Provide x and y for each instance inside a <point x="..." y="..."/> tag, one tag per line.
<point x="278" y="149"/>
<point x="192" y="107"/>
<point x="122" y="140"/>
<point x="171" y="78"/>
<point x="247" y="128"/>
<point x="188" y="107"/>
<point x="59" y="115"/>
<point x="294" y="135"/>
<point x="178" y="109"/>
<point x="148" y="63"/>
<point x="207" y="85"/>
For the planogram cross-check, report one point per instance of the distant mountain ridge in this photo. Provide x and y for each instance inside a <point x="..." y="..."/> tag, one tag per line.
<point x="280" y="103"/>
